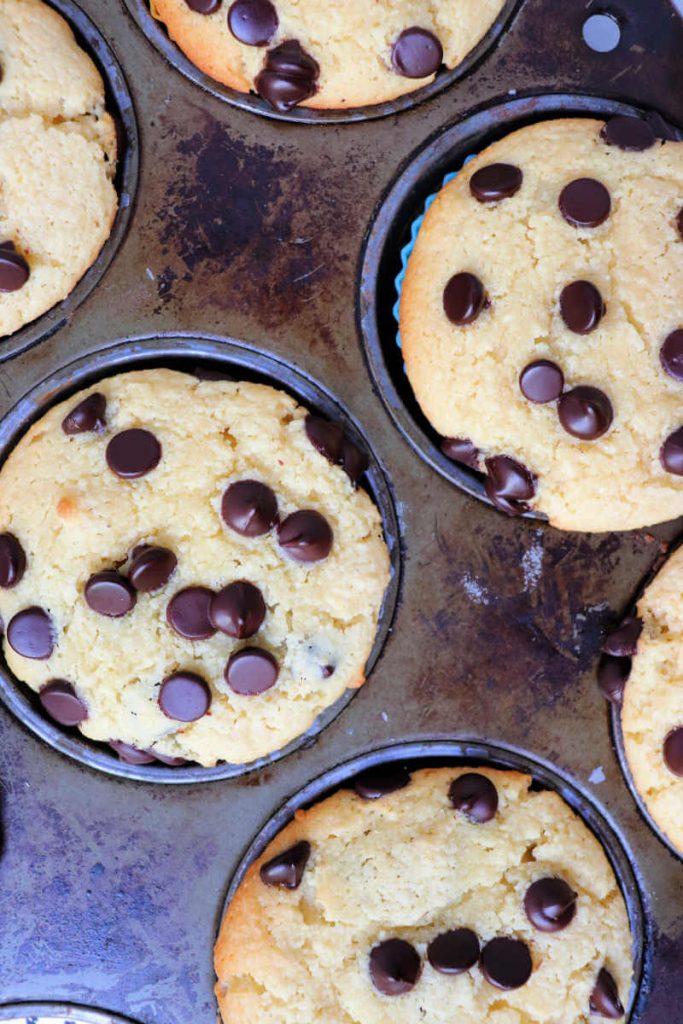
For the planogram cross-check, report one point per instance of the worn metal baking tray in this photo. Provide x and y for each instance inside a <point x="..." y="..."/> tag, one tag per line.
<point x="254" y="228"/>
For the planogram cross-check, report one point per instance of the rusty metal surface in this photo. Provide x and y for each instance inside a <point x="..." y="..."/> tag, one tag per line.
<point x="253" y="228"/>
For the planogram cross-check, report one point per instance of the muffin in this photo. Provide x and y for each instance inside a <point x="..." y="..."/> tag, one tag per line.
<point x="57" y="162"/>
<point x="187" y="568"/>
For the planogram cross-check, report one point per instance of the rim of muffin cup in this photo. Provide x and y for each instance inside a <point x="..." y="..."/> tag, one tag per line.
<point x="389" y="233"/>
<point x="455" y="751"/>
<point x="69" y="1013"/>
<point x="119" y="103"/>
<point x="156" y="33"/>
<point x="240" y="361"/>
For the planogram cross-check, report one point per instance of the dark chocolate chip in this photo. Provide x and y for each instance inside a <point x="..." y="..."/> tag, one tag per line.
<point x="354" y="461"/>
<point x="238" y="610"/>
<point x="604" y="998"/>
<point x="251" y="671"/>
<point x="629" y="133"/>
<point x="287" y="869"/>
<point x="417" y="53"/>
<point x="475" y="796"/>
<point x="108" y="593"/>
<point x="585" y="203"/>
<point x="131" y="755"/>
<point x="673" y="751"/>
<point x="31" y="633"/>
<point x="172" y="762"/>
<point x="151" y="568"/>
<point x="253" y="22"/>
<point x="541" y="381"/>
<point x="509" y="484"/>
<point x="613" y="675"/>
<point x="380" y="781"/>
<point x="14" y="270"/>
<point x="506" y="963"/>
<point x="622" y="642"/>
<point x="327" y="670"/>
<point x="204" y="6"/>
<point x="550" y="904"/>
<point x="289" y="76"/>
<point x="464" y="298"/>
<point x="454" y="951"/>
<point x="330" y="440"/>
<point x="585" y="412"/>
<point x="188" y="613"/>
<point x="671" y="453"/>
<point x="581" y="307"/>
<point x="395" y="967"/>
<point x="497" y="181"/>
<point x="133" y="453"/>
<point x="249" y="507"/>
<point x="679" y="222"/>
<point x="184" y="697"/>
<point x="12" y="561"/>
<point x="671" y="355"/>
<point x="60" y="700"/>
<point x="306" y="536"/>
<point x="87" y="416"/>
<point x="461" y="449"/>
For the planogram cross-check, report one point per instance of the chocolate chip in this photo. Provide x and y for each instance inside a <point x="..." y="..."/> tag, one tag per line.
<point x="581" y="307"/>
<point x="14" y="270"/>
<point x="172" y="762"/>
<point x="461" y="449"/>
<point x="613" y="675"/>
<point x="464" y="298"/>
<point x="203" y="6"/>
<point x="541" y="381"/>
<point x="289" y="76"/>
<point x="380" y="781"/>
<point x="604" y="998"/>
<point x="184" y="697"/>
<point x="585" y="412"/>
<point x="623" y="641"/>
<point x="506" y="963"/>
<point x="673" y="751"/>
<point x="417" y="53"/>
<point x="671" y="453"/>
<point x="331" y="441"/>
<point x="679" y="222"/>
<point x="306" y="536"/>
<point x="188" y="613"/>
<point x="87" y="416"/>
<point x="133" y="453"/>
<point x="31" y="633"/>
<point x="238" y="610"/>
<point x="249" y="507"/>
<point x="12" y="561"/>
<point x="629" y="133"/>
<point x="151" y="568"/>
<point x="108" y="593"/>
<point x="509" y="484"/>
<point x="497" y="181"/>
<point x="454" y="951"/>
<point x="475" y="796"/>
<point x="585" y="203"/>
<point x="60" y="700"/>
<point x="395" y="967"/>
<point x="251" y="671"/>
<point x="671" y="355"/>
<point x="287" y="869"/>
<point x="550" y="904"/>
<point x="253" y="22"/>
<point x="131" y="755"/>
<point x="354" y="461"/>
<point x="327" y="670"/>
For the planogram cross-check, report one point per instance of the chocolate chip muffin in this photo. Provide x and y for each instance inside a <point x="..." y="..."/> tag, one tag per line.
<point x="325" y="56"/>
<point x="545" y="344"/>
<point x="455" y="894"/>
<point x="187" y="568"/>
<point x="57" y="162"/>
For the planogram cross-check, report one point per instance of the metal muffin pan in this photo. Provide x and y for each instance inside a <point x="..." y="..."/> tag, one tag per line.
<point x="252" y="228"/>
<point x="53" y="1013"/>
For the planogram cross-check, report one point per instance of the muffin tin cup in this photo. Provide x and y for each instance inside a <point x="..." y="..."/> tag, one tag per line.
<point x="120" y="105"/>
<point x="452" y="751"/>
<point x="156" y="33"/>
<point x="390" y="233"/>
<point x="57" y="1013"/>
<point x="238" y="361"/>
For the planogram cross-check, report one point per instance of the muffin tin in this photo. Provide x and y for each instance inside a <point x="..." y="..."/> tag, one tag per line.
<point x="252" y="228"/>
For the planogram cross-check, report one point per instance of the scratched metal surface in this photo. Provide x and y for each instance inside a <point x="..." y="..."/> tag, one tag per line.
<point x="111" y="889"/>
